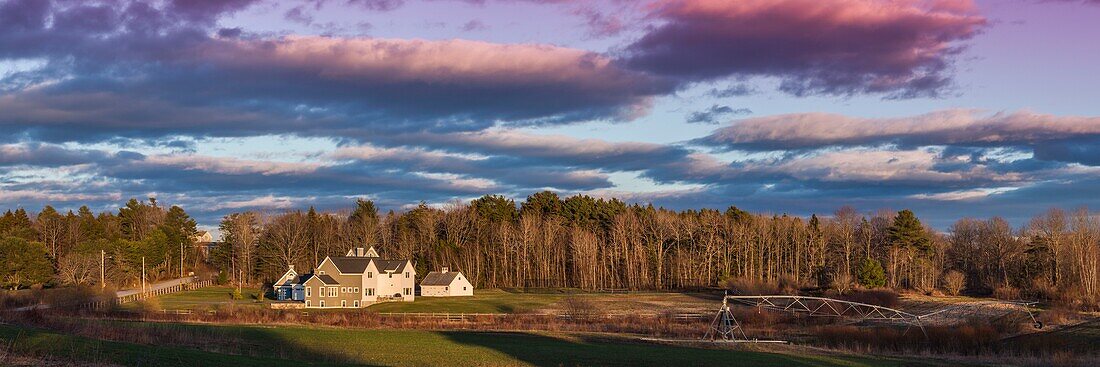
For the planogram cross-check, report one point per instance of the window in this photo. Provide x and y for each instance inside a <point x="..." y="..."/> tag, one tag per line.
<point x="408" y="291"/>
<point x="355" y="304"/>
<point x="344" y="303"/>
<point x="370" y="291"/>
<point x="307" y="292"/>
<point x="391" y="275"/>
<point x="307" y="303"/>
<point x="406" y="275"/>
<point x="463" y="288"/>
<point x="355" y="290"/>
<point x="322" y="272"/>
<point x="370" y="274"/>
<point x="444" y="288"/>
<point x="332" y="292"/>
<point x="322" y="303"/>
<point x="320" y="291"/>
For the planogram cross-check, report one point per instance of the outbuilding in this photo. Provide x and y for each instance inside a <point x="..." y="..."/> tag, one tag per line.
<point x="445" y="283"/>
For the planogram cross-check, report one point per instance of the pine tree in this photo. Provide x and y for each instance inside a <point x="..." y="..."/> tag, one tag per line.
<point x="871" y="274"/>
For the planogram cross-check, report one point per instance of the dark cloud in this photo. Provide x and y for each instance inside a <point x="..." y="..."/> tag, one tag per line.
<point x="815" y="47"/>
<point x="736" y="90"/>
<point x="474" y="25"/>
<point x="206" y="11"/>
<point x="163" y="75"/>
<point x="712" y="114"/>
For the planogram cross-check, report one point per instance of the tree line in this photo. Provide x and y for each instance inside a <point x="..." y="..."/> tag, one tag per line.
<point x="590" y="243"/>
<point x="73" y="248"/>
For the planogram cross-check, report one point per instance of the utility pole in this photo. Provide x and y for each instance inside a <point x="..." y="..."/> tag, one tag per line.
<point x="143" y="274"/>
<point x="102" y="272"/>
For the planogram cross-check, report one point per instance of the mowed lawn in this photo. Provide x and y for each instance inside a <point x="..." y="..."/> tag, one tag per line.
<point x="209" y="298"/>
<point x="259" y="346"/>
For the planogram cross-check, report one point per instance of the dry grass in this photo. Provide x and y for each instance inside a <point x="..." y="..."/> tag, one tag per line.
<point x="877" y="297"/>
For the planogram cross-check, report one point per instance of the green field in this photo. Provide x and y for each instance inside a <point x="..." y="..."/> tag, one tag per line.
<point x="484" y="301"/>
<point x="208" y="298"/>
<point x="259" y="346"/>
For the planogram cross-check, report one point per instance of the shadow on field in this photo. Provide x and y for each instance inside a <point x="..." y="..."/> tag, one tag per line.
<point x="539" y="350"/>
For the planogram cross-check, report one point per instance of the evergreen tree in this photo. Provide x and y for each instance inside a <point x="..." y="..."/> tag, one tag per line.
<point x="908" y="233"/>
<point x="544" y="203"/>
<point x="24" y="263"/>
<point x="495" y="208"/>
<point x="871" y="274"/>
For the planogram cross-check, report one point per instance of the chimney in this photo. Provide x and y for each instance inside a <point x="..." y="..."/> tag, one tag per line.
<point x="444" y="270"/>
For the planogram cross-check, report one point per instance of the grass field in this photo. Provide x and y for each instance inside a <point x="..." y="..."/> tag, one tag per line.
<point x="258" y="346"/>
<point x="208" y="298"/>
<point x="484" y="301"/>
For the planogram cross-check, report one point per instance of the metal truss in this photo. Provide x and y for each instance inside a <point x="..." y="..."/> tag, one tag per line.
<point x="722" y="326"/>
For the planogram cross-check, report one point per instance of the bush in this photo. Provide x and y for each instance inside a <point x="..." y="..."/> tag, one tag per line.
<point x="871" y="274"/>
<point x="576" y="307"/>
<point x="237" y="294"/>
<point x="954" y="282"/>
<point x="1006" y="292"/>
<point x="223" y="278"/>
<point x="842" y="282"/>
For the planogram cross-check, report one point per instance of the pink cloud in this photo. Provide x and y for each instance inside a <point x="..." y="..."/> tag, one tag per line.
<point x="948" y="127"/>
<point x="814" y="46"/>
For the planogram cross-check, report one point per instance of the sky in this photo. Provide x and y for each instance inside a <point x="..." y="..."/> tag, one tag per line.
<point x="951" y="108"/>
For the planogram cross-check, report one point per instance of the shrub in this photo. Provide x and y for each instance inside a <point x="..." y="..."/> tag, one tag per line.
<point x="237" y="294"/>
<point x="842" y="282"/>
<point x="953" y="282"/>
<point x="1006" y="292"/>
<point x="223" y="278"/>
<point x="871" y="274"/>
<point x="750" y="287"/>
<point x="576" y="307"/>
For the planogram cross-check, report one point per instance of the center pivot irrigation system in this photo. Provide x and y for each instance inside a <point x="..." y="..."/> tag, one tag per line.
<point x="726" y="327"/>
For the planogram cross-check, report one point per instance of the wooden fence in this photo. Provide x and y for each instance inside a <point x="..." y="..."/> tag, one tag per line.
<point x="189" y="285"/>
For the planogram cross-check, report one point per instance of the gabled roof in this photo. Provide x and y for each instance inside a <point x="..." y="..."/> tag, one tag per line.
<point x="327" y="279"/>
<point x="437" y="278"/>
<point x="289" y="278"/>
<point x="351" y="265"/>
<point x="358" y="265"/>
<point x="391" y="266"/>
<point x="323" y="278"/>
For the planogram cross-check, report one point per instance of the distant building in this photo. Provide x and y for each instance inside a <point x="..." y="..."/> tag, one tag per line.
<point x="202" y="237"/>
<point x="355" y="280"/>
<point x="445" y="283"/>
<point x="204" y="242"/>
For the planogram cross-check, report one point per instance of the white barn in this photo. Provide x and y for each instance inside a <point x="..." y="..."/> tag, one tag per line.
<point x="445" y="283"/>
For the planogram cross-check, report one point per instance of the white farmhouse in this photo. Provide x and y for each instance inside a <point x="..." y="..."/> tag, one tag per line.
<point x="445" y="283"/>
